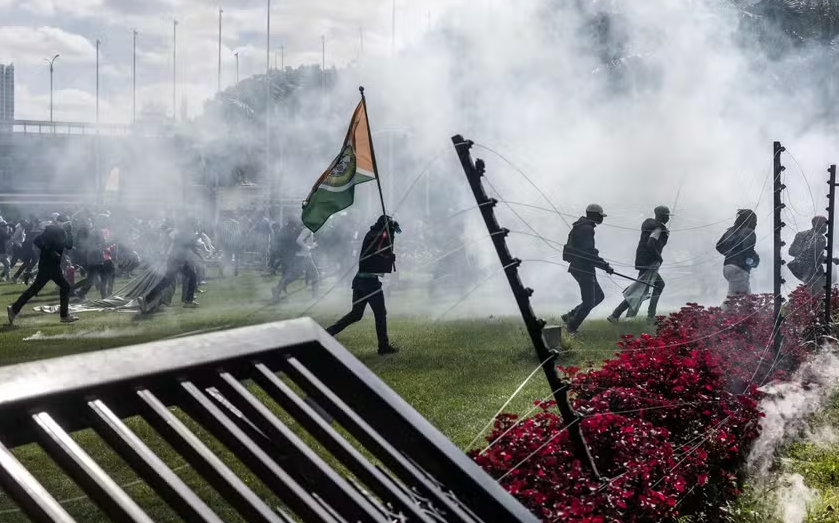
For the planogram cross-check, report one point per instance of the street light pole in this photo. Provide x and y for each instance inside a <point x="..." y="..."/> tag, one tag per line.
<point x="134" y="81"/>
<point x="220" y="11"/>
<point x="98" y="43"/>
<point x="52" y="63"/>
<point x="174" y="69"/>
<point x="236" y="54"/>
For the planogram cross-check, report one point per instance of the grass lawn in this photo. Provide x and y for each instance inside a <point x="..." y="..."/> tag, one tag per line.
<point x="456" y="373"/>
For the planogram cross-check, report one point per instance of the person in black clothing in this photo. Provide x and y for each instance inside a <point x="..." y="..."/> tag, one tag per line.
<point x="51" y="243"/>
<point x="375" y="259"/>
<point x="27" y="253"/>
<point x="5" y="244"/>
<point x="184" y="240"/>
<point x="584" y="258"/>
<point x="648" y="260"/>
<point x="90" y="247"/>
<point x="738" y="247"/>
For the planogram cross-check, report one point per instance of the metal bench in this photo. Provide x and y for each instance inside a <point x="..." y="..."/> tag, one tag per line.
<point x="385" y="462"/>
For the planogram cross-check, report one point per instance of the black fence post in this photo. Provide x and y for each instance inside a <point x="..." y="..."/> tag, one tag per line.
<point x="831" y="217"/>
<point x="474" y="171"/>
<point x="778" y="224"/>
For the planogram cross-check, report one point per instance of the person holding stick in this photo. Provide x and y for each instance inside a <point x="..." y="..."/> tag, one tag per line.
<point x="582" y="255"/>
<point x="648" y="260"/>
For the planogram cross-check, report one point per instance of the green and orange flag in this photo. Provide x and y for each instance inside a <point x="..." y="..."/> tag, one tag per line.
<point x="335" y="189"/>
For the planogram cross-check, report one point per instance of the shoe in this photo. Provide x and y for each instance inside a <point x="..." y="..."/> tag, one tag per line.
<point x="11" y="312"/>
<point x="69" y="319"/>
<point x="390" y="349"/>
<point x="200" y="291"/>
<point x="570" y="334"/>
<point x="650" y="320"/>
<point x="202" y="283"/>
<point x="190" y="304"/>
<point x="612" y="319"/>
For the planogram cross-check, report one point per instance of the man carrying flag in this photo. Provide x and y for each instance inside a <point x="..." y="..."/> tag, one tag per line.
<point x="335" y="191"/>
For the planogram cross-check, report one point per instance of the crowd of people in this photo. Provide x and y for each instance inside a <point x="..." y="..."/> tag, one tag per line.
<point x="736" y="245"/>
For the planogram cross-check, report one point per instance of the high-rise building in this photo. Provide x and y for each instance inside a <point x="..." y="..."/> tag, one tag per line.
<point x="7" y="93"/>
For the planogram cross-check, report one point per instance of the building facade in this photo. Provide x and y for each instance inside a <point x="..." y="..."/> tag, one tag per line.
<point x="7" y="93"/>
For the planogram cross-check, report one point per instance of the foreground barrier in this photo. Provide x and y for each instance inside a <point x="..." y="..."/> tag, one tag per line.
<point x="408" y="471"/>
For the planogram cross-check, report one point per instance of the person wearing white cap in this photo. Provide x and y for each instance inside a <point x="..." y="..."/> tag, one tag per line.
<point x="583" y="258"/>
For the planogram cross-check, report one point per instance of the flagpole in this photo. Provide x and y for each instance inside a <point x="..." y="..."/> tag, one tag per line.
<point x="373" y="151"/>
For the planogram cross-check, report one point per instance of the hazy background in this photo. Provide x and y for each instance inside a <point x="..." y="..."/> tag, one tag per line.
<point x="628" y="104"/>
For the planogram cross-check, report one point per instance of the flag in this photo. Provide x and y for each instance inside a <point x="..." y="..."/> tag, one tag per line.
<point x="335" y="189"/>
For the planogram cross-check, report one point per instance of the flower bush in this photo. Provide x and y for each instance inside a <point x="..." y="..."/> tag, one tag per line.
<point x="668" y="420"/>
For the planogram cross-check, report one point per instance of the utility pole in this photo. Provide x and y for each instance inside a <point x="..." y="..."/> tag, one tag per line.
<point x="323" y="66"/>
<point x="134" y="81"/>
<point x="220" y="12"/>
<point x="174" y="69"/>
<point x="98" y="43"/>
<point x="393" y="30"/>
<point x="831" y="223"/>
<point x="268" y="106"/>
<point x="778" y="243"/>
<point x="236" y="54"/>
<point x="52" y="63"/>
<point x="282" y="57"/>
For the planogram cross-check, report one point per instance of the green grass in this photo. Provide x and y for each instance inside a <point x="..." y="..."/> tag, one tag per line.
<point x="456" y="373"/>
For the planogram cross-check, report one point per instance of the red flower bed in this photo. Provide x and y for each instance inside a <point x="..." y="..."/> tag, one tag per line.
<point x="668" y="420"/>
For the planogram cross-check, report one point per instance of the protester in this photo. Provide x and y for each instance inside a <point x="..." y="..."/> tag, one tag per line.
<point x="5" y="249"/>
<point x="582" y="255"/>
<point x="737" y="244"/>
<point x="375" y="260"/>
<point x="182" y="241"/>
<point x="648" y="260"/>
<point x="809" y="248"/>
<point x="51" y="244"/>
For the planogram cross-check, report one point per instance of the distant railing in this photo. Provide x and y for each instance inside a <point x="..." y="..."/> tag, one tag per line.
<point x="41" y="127"/>
<point x="394" y="466"/>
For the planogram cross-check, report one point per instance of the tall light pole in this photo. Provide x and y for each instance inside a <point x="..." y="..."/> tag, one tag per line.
<point x="220" y="11"/>
<point x="393" y="30"/>
<point x="282" y="58"/>
<point x="268" y="105"/>
<point x="134" y="81"/>
<point x="174" y="69"/>
<point x="98" y="43"/>
<point x="236" y="54"/>
<point x="323" y="65"/>
<point x="52" y="63"/>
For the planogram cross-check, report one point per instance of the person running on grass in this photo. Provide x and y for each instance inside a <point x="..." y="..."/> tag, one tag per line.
<point x="584" y="258"/>
<point x="375" y="260"/>
<point x="648" y="260"/>
<point x="51" y="244"/>
<point x="737" y="244"/>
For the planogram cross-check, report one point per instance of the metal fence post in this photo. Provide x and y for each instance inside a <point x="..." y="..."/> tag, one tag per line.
<point x="831" y="216"/>
<point x="474" y="171"/>
<point x="778" y="225"/>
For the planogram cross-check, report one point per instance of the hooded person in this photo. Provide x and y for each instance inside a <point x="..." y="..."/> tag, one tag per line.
<point x="737" y="244"/>
<point x="51" y="244"/>
<point x="648" y="260"/>
<point x="583" y="258"/>
<point x="375" y="259"/>
<point x="809" y="250"/>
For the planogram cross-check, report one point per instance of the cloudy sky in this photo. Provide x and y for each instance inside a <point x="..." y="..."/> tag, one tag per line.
<point x="32" y="30"/>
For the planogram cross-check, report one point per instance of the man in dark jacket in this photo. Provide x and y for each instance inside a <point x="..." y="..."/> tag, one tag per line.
<point x="809" y="250"/>
<point x="583" y="258"/>
<point x="375" y="260"/>
<point x="648" y="260"/>
<point x="738" y="247"/>
<point x="183" y="240"/>
<point x="51" y="244"/>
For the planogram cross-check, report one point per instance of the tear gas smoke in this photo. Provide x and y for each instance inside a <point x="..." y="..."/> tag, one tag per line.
<point x="624" y="103"/>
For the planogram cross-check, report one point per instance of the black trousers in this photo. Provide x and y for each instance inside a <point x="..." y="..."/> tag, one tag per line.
<point x="109" y="274"/>
<point x="93" y="273"/>
<point x="591" y="295"/>
<point x="29" y="260"/>
<point x="190" y="281"/>
<point x="47" y="271"/>
<point x="366" y="291"/>
<point x="657" y="290"/>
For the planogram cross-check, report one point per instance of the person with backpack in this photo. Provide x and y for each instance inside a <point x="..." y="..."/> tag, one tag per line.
<point x="809" y="250"/>
<point x="583" y="258"/>
<point x="648" y="260"/>
<point x="374" y="261"/>
<point x="737" y="244"/>
<point x="51" y="244"/>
